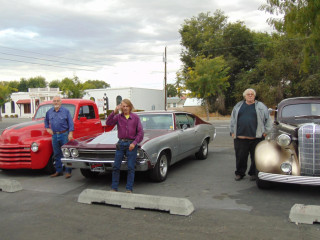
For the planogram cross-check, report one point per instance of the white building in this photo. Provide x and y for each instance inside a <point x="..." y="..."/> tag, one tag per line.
<point x="141" y="98"/>
<point x="24" y="104"/>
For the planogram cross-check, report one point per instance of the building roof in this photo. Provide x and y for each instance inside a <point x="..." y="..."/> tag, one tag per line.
<point x="175" y="100"/>
<point x="192" y="102"/>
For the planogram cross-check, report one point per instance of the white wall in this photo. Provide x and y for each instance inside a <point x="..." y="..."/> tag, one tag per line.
<point x="141" y="98"/>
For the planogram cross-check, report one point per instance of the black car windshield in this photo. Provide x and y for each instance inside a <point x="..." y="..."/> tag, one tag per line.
<point x="42" y="110"/>
<point x="156" y="121"/>
<point x="302" y="112"/>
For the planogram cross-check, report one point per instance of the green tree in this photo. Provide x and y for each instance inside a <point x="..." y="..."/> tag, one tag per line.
<point x="211" y="36"/>
<point x="171" y="90"/>
<point x="37" y="82"/>
<point x="71" y="88"/>
<point x="202" y="36"/>
<point x="23" y="85"/>
<point x="301" y="19"/>
<point x="4" y="95"/>
<point x="209" y="78"/>
<point x="54" y="84"/>
<point x="95" y="84"/>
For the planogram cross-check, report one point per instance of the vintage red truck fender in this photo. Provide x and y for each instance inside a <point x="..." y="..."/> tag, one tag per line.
<point x="28" y="145"/>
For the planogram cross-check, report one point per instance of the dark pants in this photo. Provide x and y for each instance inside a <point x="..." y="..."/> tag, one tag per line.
<point x="242" y="149"/>
<point x="57" y="141"/>
<point x="123" y="149"/>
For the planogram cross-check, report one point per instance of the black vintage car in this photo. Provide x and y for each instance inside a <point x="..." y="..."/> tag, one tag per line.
<point x="291" y="151"/>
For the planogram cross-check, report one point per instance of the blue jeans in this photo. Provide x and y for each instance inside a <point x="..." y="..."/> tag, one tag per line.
<point x="123" y="149"/>
<point x="57" y="141"/>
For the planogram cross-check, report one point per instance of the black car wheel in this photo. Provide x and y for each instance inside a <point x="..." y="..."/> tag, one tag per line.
<point x="160" y="171"/>
<point x="50" y="167"/>
<point x="87" y="173"/>
<point x="203" y="151"/>
<point x="262" y="184"/>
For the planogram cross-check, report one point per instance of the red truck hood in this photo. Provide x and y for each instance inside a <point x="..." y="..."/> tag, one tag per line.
<point x="24" y="133"/>
<point x="108" y="140"/>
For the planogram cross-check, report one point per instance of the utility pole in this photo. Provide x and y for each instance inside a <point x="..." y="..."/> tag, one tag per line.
<point x="165" y="78"/>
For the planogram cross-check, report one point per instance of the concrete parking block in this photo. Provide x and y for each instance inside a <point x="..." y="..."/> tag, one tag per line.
<point x="308" y="214"/>
<point x="178" y="206"/>
<point x="7" y="185"/>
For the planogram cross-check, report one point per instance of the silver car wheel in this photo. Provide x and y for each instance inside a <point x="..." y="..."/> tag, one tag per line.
<point x="204" y="148"/>
<point x="163" y="165"/>
<point x="203" y="151"/>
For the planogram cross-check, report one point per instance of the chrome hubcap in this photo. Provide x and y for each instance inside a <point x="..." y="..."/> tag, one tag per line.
<point x="163" y="164"/>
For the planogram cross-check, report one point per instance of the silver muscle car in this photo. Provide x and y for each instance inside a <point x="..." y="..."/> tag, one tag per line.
<point x="169" y="136"/>
<point x="291" y="152"/>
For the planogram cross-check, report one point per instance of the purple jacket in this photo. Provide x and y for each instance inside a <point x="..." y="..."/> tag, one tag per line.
<point x="130" y="128"/>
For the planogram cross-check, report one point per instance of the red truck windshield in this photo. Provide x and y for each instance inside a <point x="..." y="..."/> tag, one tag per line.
<point x="41" y="112"/>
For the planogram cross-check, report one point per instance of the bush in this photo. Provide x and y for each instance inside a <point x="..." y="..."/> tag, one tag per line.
<point x="16" y="115"/>
<point x="6" y="116"/>
<point x="11" y="116"/>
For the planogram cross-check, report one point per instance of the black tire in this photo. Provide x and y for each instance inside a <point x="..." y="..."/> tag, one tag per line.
<point x="50" y="167"/>
<point x="160" y="171"/>
<point x="262" y="184"/>
<point x="87" y="173"/>
<point x="202" y="154"/>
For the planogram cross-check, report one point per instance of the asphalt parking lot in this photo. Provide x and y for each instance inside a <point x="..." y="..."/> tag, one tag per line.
<point x="47" y="208"/>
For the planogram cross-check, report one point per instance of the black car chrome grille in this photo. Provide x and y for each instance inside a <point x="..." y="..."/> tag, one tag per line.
<point x="309" y="149"/>
<point x="93" y="154"/>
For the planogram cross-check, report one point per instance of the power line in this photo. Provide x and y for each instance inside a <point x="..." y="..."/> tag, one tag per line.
<point x="46" y="64"/>
<point x="44" y="59"/>
<point x="44" y="54"/>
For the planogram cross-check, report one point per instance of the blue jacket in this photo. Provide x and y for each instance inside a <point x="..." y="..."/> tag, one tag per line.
<point x="264" y="122"/>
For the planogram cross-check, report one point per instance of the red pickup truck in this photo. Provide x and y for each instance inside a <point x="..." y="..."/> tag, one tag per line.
<point x="28" y="145"/>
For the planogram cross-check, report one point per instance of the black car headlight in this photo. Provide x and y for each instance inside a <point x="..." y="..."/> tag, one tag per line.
<point x="284" y="140"/>
<point x="34" y="147"/>
<point x="66" y="153"/>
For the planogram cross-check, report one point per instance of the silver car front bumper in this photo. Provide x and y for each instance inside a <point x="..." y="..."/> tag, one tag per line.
<point x="306" y="180"/>
<point x="141" y="164"/>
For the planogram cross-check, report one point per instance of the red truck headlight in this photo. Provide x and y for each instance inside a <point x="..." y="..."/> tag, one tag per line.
<point x="34" y="147"/>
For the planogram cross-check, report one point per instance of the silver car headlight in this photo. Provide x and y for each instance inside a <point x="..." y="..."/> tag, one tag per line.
<point x="66" y="152"/>
<point x="34" y="147"/>
<point x="140" y="153"/>
<point x="286" y="167"/>
<point x="284" y="140"/>
<point x="74" y="152"/>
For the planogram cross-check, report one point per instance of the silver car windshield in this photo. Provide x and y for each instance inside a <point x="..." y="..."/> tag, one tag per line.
<point x="156" y="121"/>
<point x="42" y="110"/>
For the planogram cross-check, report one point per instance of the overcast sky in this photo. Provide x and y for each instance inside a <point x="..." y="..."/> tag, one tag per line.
<point x="119" y="41"/>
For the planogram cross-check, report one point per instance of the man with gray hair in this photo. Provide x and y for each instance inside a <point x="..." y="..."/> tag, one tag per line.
<point x="250" y="121"/>
<point x="59" y="124"/>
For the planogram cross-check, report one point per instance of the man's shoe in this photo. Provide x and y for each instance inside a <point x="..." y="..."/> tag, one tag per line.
<point x="113" y="190"/>
<point x="128" y="191"/>
<point x="238" y="177"/>
<point x="68" y="175"/>
<point x="57" y="174"/>
<point x="253" y="177"/>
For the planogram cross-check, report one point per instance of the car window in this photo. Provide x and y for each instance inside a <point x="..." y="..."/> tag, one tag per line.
<point x="181" y="119"/>
<point x="308" y="109"/>
<point x="191" y="120"/>
<point x="42" y="110"/>
<point x="156" y="121"/>
<point x="87" y="111"/>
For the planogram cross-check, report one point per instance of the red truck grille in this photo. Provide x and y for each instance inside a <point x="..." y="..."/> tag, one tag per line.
<point x="10" y="154"/>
